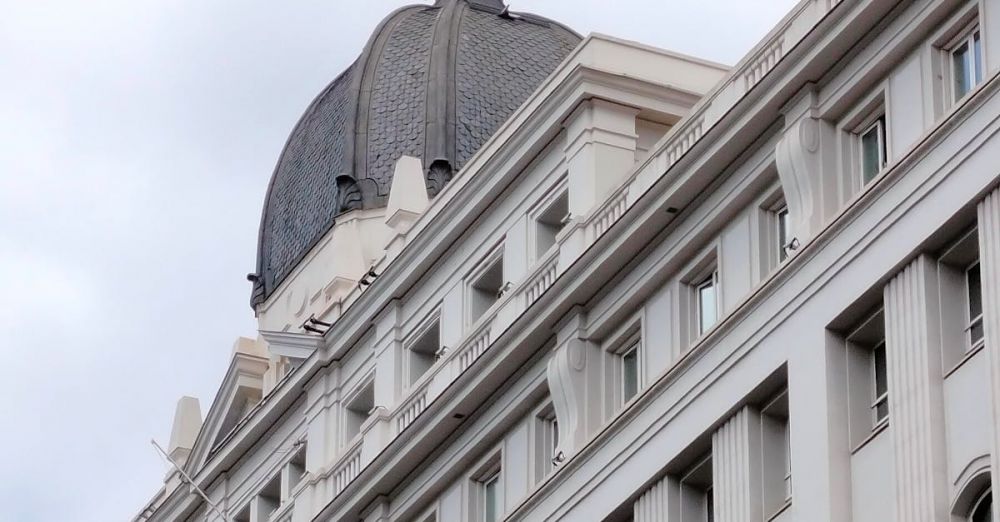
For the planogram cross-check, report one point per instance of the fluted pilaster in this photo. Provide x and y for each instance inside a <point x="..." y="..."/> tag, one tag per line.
<point x="736" y="468"/>
<point x="916" y="396"/>
<point x="989" y="266"/>
<point x="660" y="503"/>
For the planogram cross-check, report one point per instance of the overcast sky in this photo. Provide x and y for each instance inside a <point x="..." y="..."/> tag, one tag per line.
<point x="136" y="142"/>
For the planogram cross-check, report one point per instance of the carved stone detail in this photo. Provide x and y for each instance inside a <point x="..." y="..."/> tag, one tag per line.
<point x="438" y="175"/>
<point x="348" y="194"/>
<point x="571" y="372"/>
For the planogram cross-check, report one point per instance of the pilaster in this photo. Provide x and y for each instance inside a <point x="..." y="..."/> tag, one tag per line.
<point x="916" y="395"/>
<point x="736" y="468"/>
<point x="989" y="266"/>
<point x="572" y="371"/>
<point x="600" y="151"/>
<point x="660" y="503"/>
<point x="388" y="348"/>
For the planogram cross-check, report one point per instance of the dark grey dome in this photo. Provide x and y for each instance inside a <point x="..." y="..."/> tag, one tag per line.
<point x="434" y="82"/>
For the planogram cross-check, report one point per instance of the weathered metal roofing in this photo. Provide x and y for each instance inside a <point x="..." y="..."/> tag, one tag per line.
<point x="434" y="82"/>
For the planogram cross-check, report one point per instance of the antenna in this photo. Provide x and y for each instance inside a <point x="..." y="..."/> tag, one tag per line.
<point x="191" y="483"/>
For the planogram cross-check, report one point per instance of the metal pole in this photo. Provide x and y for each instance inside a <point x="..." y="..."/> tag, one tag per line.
<point x="191" y="482"/>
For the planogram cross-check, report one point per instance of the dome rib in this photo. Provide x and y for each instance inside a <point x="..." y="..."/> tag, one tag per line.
<point x="433" y="82"/>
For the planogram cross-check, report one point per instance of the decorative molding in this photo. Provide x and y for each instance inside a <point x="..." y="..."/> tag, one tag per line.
<point x="916" y="394"/>
<point x="438" y="175"/>
<point x="349" y="195"/>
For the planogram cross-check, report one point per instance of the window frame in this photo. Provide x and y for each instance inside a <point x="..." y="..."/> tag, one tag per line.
<point x="633" y="350"/>
<point x="968" y="36"/>
<point x="864" y="335"/>
<point x="625" y="339"/>
<point x="346" y="409"/>
<point x="545" y="205"/>
<point x="475" y="277"/>
<point x="879" y="399"/>
<point x="972" y="322"/>
<point x="495" y="479"/>
<point x="876" y="123"/>
<point x="866" y="112"/>
<point x="546" y="437"/>
<point x="710" y="281"/>
<point x="424" y="328"/>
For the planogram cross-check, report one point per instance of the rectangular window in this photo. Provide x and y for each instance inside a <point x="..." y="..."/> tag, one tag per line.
<point x="873" y="149"/>
<point x="880" y="403"/>
<point x="357" y="410"/>
<point x="546" y="441"/>
<point x="966" y="64"/>
<point x="974" y="291"/>
<point x="550" y="222"/>
<point x="776" y="455"/>
<point x="867" y="377"/>
<point x="630" y="373"/>
<point x="696" y="493"/>
<point x="708" y="302"/>
<point x="491" y="498"/>
<point x="422" y="351"/>
<point x="487" y="285"/>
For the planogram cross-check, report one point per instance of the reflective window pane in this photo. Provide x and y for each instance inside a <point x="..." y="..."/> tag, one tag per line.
<point x="975" y="292"/>
<point x="630" y="374"/>
<point x="961" y="70"/>
<point x="491" y="504"/>
<point x="707" y="305"/>
<point x="881" y="387"/>
<point x="872" y="152"/>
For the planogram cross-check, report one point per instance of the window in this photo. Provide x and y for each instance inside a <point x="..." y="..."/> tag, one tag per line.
<point x="961" y="297"/>
<point x="491" y="497"/>
<point x="775" y="458"/>
<point x="358" y="409"/>
<point x="487" y="286"/>
<point x="550" y="221"/>
<point x="630" y="373"/>
<point x="873" y="149"/>
<point x="974" y="299"/>
<point x="295" y="471"/>
<point x="982" y="508"/>
<point x="708" y="302"/>
<point x="546" y="440"/>
<point x="966" y="63"/>
<point x="696" y="493"/>
<point x="868" y="387"/>
<point x="423" y="350"/>
<point x="880" y="404"/>
<point x="269" y="498"/>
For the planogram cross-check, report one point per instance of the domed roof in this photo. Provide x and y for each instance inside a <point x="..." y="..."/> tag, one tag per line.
<point x="434" y="82"/>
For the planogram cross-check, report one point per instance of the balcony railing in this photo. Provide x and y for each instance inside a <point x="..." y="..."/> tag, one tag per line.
<point x="348" y="469"/>
<point x="414" y="406"/>
<point x="542" y="279"/>
<point x="475" y="347"/>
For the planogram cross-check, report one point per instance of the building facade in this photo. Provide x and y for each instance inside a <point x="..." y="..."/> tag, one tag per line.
<point x="508" y="273"/>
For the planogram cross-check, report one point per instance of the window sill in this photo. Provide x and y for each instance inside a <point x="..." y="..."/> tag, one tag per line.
<point x="876" y="431"/>
<point x="965" y="358"/>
